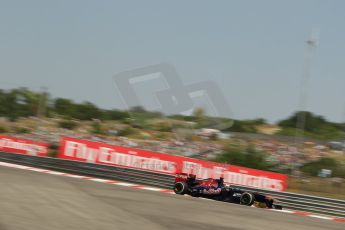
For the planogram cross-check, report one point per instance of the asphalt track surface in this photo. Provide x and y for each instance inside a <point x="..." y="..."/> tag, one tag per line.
<point x="34" y="201"/>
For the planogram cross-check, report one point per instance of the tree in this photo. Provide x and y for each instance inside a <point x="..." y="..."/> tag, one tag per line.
<point x="200" y="118"/>
<point x="83" y="111"/>
<point x="67" y="124"/>
<point x="11" y="105"/>
<point x="3" y="110"/>
<point x="30" y="102"/>
<point x="246" y="156"/>
<point x="22" y="102"/>
<point x="315" y="126"/>
<point x="199" y="113"/>
<point x="246" y="126"/>
<point x="64" y="107"/>
<point x="86" y="111"/>
<point x="312" y="122"/>
<point x="115" y="115"/>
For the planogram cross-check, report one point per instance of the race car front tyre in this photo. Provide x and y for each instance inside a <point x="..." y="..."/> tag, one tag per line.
<point x="180" y="188"/>
<point x="247" y="199"/>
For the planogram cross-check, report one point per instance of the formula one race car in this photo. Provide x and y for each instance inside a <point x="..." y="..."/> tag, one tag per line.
<point x="215" y="189"/>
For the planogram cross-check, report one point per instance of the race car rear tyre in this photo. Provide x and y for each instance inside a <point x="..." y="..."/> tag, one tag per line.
<point x="180" y="188"/>
<point x="247" y="199"/>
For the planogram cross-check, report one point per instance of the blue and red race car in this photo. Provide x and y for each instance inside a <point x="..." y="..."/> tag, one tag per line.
<point x="215" y="189"/>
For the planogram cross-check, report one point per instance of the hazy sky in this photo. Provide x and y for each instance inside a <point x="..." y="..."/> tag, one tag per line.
<point x="254" y="50"/>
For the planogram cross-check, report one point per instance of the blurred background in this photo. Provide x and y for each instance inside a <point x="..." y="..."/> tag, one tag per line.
<point x="278" y="65"/>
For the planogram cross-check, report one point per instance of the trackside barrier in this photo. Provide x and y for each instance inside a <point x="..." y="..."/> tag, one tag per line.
<point x="23" y="146"/>
<point x="293" y="201"/>
<point x="106" y="154"/>
<point x="307" y="203"/>
<point x="113" y="155"/>
<point x="89" y="169"/>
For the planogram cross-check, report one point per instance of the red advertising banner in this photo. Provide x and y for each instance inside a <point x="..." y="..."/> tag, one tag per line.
<point x="100" y="153"/>
<point x="23" y="146"/>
